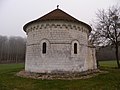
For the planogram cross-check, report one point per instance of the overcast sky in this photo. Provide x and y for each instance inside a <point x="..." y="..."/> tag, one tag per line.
<point x="15" y="13"/>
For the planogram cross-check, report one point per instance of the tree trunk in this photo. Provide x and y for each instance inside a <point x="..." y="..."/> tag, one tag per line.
<point x="117" y="56"/>
<point x="97" y="64"/>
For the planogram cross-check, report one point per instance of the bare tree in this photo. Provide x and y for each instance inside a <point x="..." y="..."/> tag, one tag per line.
<point x="107" y="29"/>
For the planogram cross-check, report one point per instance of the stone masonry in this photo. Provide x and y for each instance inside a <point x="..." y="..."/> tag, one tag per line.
<point x="60" y="37"/>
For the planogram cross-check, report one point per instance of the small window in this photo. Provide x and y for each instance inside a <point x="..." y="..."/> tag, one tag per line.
<point x="75" y="48"/>
<point x="44" y="48"/>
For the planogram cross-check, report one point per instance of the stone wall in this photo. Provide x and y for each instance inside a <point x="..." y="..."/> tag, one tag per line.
<point x="59" y="37"/>
<point x="91" y="63"/>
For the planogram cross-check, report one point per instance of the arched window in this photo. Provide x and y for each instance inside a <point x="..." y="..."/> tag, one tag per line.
<point x="75" y="48"/>
<point x="44" y="48"/>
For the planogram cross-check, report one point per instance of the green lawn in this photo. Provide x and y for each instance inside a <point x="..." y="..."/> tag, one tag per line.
<point x="9" y="81"/>
<point x="108" y="63"/>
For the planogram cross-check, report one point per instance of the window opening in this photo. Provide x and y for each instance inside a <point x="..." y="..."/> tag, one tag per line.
<point x="75" y="48"/>
<point x="44" y="48"/>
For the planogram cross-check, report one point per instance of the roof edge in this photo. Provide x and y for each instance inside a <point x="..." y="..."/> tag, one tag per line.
<point x="39" y="20"/>
<point x="35" y="21"/>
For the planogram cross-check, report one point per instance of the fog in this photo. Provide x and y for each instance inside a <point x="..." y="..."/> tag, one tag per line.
<point x="14" y="14"/>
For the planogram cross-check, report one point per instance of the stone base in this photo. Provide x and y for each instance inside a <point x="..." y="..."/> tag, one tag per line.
<point x="61" y="75"/>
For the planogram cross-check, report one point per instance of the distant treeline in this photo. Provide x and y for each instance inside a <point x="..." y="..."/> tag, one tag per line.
<point x="106" y="53"/>
<point x="12" y="49"/>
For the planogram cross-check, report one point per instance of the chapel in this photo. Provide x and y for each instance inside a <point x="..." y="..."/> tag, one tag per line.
<point x="58" y="42"/>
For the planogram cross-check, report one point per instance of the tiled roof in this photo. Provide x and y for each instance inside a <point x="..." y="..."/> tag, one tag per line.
<point x="56" y="14"/>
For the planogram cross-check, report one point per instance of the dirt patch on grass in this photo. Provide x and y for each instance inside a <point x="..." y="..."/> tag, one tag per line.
<point x="62" y="75"/>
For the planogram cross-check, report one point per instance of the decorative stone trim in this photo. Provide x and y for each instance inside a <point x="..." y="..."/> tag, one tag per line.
<point x="57" y="25"/>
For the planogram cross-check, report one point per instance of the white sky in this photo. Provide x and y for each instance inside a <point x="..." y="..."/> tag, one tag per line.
<point x="15" y="13"/>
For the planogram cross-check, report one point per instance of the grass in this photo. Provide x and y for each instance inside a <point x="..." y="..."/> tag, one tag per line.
<point x="108" y="81"/>
<point x="108" y="63"/>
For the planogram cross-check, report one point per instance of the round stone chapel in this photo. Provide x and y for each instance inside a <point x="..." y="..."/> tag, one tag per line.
<point x="57" y="42"/>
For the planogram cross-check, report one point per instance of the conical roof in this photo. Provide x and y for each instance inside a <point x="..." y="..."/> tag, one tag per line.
<point x="57" y="14"/>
